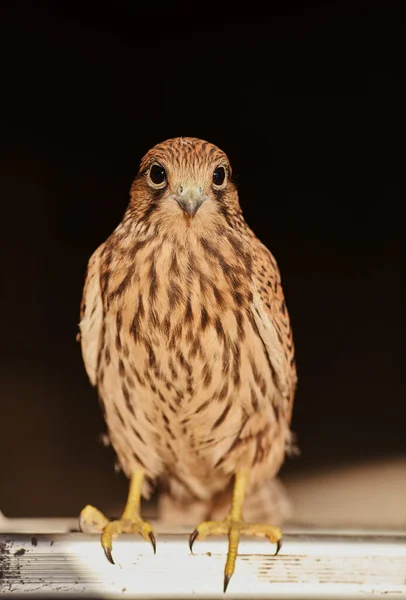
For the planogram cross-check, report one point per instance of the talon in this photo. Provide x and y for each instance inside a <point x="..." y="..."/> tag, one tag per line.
<point x="153" y="540"/>
<point x="92" y="519"/>
<point x="192" y="539"/>
<point x="226" y="582"/>
<point x="278" y="547"/>
<point x="109" y="556"/>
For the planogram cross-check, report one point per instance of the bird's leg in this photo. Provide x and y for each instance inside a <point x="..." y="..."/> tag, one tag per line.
<point x="92" y="519"/>
<point x="234" y="525"/>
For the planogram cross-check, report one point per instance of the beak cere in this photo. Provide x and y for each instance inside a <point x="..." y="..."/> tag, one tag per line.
<point x="190" y="199"/>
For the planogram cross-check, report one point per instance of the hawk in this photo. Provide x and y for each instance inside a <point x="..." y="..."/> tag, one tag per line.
<point x="186" y="335"/>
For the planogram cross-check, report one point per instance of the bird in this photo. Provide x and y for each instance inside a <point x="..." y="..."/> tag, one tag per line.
<point x="186" y="335"/>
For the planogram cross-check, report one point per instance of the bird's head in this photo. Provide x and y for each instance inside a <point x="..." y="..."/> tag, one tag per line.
<point x="184" y="182"/>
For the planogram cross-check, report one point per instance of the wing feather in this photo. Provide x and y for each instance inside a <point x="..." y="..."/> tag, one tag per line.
<point x="91" y="316"/>
<point x="272" y="320"/>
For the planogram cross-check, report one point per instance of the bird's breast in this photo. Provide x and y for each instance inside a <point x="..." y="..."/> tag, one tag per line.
<point x="185" y="349"/>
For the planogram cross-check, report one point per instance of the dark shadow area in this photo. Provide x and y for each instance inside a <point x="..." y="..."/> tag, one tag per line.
<point x="304" y="98"/>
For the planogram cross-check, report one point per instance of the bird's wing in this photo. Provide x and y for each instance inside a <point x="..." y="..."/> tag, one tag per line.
<point x="272" y="320"/>
<point x="91" y="316"/>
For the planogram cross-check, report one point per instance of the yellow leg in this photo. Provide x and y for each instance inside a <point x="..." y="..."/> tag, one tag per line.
<point x="234" y="525"/>
<point x="92" y="519"/>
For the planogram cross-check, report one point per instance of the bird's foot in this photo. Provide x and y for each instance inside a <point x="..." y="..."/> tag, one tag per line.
<point x="92" y="520"/>
<point x="234" y="528"/>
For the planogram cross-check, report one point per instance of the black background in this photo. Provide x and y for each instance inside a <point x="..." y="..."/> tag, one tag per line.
<point x="304" y="98"/>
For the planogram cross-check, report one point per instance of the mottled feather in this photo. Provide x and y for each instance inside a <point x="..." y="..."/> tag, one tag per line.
<point x="91" y="316"/>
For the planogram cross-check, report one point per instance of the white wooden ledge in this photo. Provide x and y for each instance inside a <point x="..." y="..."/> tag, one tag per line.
<point x="309" y="565"/>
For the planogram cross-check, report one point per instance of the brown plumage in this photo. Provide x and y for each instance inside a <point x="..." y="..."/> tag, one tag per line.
<point x="185" y="331"/>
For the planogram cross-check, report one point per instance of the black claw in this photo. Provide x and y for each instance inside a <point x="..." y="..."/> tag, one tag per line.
<point x="226" y="582"/>
<point x="278" y="546"/>
<point x="109" y="556"/>
<point x="192" y="539"/>
<point x="153" y="541"/>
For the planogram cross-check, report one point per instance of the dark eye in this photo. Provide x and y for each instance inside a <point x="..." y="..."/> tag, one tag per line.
<point x="157" y="174"/>
<point x="219" y="176"/>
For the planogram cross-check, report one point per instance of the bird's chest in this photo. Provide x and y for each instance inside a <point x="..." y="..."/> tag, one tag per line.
<point x="184" y="351"/>
<point x="186" y="334"/>
<point x="182" y="318"/>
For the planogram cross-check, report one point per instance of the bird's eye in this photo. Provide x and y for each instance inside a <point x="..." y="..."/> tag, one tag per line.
<point x="219" y="176"/>
<point x="157" y="174"/>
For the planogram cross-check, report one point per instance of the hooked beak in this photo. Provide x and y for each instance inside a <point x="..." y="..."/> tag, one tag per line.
<point x="190" y="199"/>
